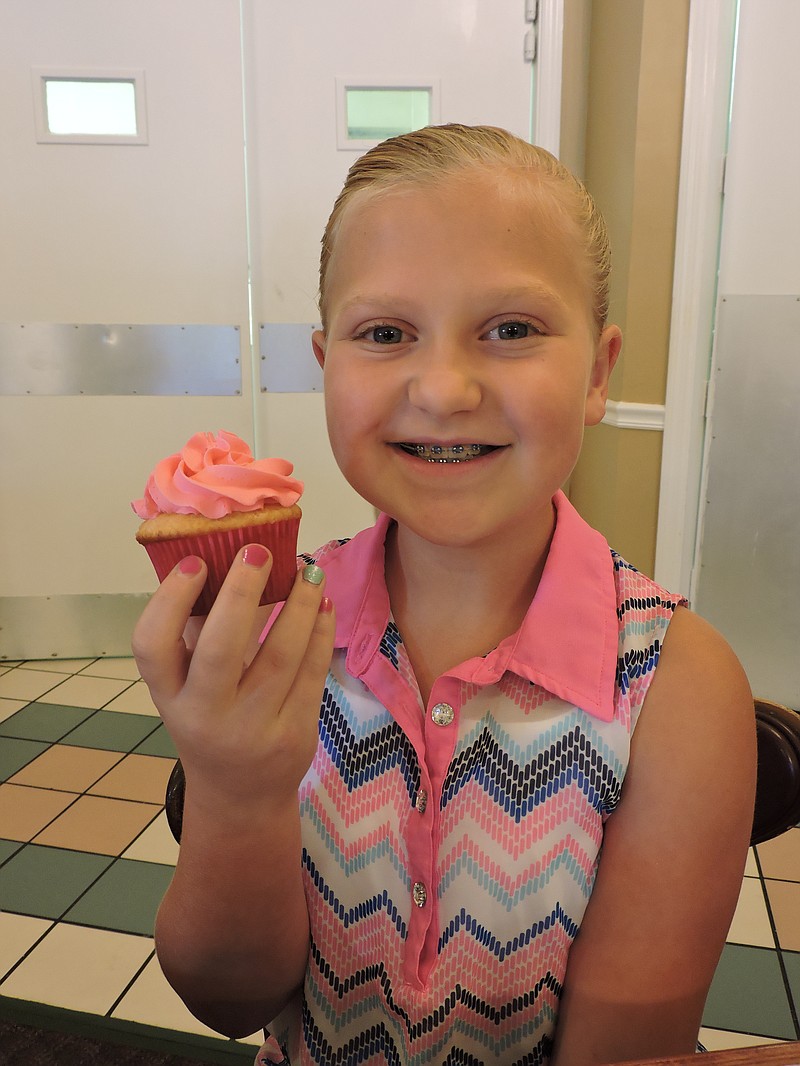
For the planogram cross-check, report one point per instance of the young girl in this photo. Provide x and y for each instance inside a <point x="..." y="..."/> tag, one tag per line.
<point x="496" y="810"/>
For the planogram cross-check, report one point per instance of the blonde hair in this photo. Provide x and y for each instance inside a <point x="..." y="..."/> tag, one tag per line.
<point x="427" y="155"/>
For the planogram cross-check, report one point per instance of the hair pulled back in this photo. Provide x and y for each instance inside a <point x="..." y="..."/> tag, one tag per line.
<point x="427" y="155"/>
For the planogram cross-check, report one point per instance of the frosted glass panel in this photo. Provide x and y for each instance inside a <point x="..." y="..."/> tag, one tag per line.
<point x="373" y="114"/>
<point x="749" y="579"/>
<point x="95" y="107"/>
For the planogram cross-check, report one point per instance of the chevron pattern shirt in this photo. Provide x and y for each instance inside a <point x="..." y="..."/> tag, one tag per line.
<point x="449" y="850"/>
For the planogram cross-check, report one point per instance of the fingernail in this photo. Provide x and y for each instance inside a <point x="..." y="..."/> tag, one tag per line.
<point x="326" y="605"/>
<point x="255" y="555"/>
<point x="313" y="574"/>
<point x="190" y="566"/>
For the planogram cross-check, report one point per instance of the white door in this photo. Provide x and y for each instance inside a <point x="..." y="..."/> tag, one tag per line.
<point x="150" y="290"/>
<point x="748" y="571"/>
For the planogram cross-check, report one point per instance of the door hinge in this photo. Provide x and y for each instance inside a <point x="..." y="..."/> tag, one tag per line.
<point x="531" y="10"/>
<point x="529" y="47"/>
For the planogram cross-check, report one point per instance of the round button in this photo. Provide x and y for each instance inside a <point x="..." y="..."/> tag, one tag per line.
<point x="419" y="894"/>
<point x="421" y="801"/>
<point x="442" y="714"/>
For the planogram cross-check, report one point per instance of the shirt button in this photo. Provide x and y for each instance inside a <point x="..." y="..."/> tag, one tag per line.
<point x="442" y="714"/>
<point x="421" y="801"/>
<point x="419" y="894"/>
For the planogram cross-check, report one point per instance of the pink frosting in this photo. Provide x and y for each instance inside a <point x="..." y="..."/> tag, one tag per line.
<point x="215" y="476"/>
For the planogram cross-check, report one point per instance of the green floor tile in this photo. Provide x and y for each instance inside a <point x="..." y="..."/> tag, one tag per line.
<point x="748" y="994"/>
<point x="125" y="898"/>
<point x="44" y="882"/>
<point x="158" y="743"/>
<point x="112" y="731"/>
<point x="791" y="960"/>
<point x="16" y="753"/>
<point x="43" y="721"/>
<point x="7" y="849"/>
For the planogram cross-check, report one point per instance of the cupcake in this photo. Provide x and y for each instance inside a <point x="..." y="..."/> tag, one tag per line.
<point x="210" y="499"/>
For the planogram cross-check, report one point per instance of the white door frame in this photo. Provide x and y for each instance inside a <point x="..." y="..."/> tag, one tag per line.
<point x="709" y="75"/>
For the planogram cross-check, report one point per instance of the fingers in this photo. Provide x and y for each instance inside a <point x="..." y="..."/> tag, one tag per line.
<point x="157" y="642"/>
<point x="297" y="651"/>
<point x="222" y="645"/>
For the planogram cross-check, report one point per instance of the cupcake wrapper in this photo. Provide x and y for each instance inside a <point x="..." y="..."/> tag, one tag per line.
<point x="218" y="550"/>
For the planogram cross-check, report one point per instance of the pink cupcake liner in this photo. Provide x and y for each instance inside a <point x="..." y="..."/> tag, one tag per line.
<point x="218" y="550"/>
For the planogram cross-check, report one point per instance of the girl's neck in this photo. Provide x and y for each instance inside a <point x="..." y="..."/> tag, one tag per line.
<point x="452" y="604"/>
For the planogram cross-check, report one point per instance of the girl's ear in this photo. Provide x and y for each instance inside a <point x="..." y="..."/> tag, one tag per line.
<point x="318" y="344"/>
<point x="605" y="356"/>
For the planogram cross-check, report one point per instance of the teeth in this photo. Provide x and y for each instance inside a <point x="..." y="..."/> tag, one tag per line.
<point x="439" y="453"/>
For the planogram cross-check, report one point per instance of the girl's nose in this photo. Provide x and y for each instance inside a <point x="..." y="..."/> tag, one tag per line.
<point x="444" y="384"/>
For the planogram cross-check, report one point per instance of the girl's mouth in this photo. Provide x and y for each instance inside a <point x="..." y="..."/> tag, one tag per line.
<point x="443" y="453"/>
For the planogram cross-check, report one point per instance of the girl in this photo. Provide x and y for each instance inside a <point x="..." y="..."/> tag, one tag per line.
<point x="497" y="809"/>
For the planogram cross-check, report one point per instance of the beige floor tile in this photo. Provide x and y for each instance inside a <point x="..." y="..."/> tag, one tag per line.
<point x="125" y="669"/>
<point x="66" y="768"/>
<point x="780" y="858"/>
<point x="155" y="844"/>
<point x="151" y="1001"/>
<point x="57" y="666"/>
<point x="751" y="923"/>
<point x="18" y="933"/>
<point x="721" y="1039"/>
<point x="750" y="868"/>
<point x="26" y="685"/>
<point x="79" y="968"/>
<point x="137" y="777"/>
<point x="99" y="825"/>
<point x="135" y="700"/>
<point x="784" y="899"/>
<point x="25" y="811"/>
<point x="9" y="707"/>
<point x="81" y="691"/>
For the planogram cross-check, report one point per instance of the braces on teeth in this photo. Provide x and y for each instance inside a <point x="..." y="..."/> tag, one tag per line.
<point x="438" y="453"/>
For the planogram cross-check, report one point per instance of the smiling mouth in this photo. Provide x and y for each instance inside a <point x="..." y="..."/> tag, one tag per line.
<point x="441" y="453"/>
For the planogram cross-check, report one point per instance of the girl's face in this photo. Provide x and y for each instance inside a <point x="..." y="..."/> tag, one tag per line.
<point x="460" y="356"/>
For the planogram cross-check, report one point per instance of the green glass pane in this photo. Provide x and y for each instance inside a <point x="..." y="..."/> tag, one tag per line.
<point x="91" y="107"/>
<point x="374" y="114"/>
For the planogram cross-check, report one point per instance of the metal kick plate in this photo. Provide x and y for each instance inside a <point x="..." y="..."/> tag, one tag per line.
<point x="56" y="359"/>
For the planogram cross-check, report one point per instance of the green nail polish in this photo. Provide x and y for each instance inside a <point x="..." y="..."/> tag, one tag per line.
<point x="313" y="574"/>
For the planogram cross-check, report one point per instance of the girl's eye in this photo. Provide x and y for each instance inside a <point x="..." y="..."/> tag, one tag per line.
<point x="513" y="331"/>
<point x="382" y="335"/>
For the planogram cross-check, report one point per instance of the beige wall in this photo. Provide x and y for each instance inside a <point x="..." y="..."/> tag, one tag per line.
<point x="636" y="71"/>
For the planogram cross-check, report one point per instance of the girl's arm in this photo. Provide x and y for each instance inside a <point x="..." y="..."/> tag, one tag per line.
<point x="232" y="930"/>
<point x="672" y="861"/>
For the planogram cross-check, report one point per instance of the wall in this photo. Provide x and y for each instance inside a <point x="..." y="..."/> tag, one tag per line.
<point x="637" y="63"/>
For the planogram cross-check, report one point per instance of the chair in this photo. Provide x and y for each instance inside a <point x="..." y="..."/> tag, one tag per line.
<point x="777" y="792"/>
<point x="778" y="784"/>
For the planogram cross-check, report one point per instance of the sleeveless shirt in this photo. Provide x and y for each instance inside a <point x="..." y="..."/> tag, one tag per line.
<point x="449" y="850"/>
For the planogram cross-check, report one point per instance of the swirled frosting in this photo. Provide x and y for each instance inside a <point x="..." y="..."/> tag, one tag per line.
<point x="214" y="476"/>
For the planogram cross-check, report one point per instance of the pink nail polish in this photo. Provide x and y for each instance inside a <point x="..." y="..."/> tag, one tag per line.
<point x="255" y="555"/>
<point x="325" y="605"/>
<point x="190" y="566"/>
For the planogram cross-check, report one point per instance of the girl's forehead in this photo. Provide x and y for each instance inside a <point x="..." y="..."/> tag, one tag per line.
<point x="522" y="212"/>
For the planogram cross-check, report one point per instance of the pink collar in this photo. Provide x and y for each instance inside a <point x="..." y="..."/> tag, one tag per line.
<point x="567" y="642"/>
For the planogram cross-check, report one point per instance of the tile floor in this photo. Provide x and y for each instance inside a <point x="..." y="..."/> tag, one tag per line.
<point x="86" y="853"/>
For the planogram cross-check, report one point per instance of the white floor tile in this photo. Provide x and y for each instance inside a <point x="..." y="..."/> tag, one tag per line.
<point x="751" y="924"/>
<point x="81" y="691"/>
<point x="79" y="968"/>
<point x="26" y="685"/>
<point x="156" y="844"/>
<point x="134" y="700"/>
<point x="18" y="933"/>
<point x="126" y="669"/>
<point x="721" y="1039"/>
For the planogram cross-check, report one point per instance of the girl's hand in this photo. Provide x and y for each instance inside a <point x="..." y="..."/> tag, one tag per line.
<point x="245" y="734"/>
